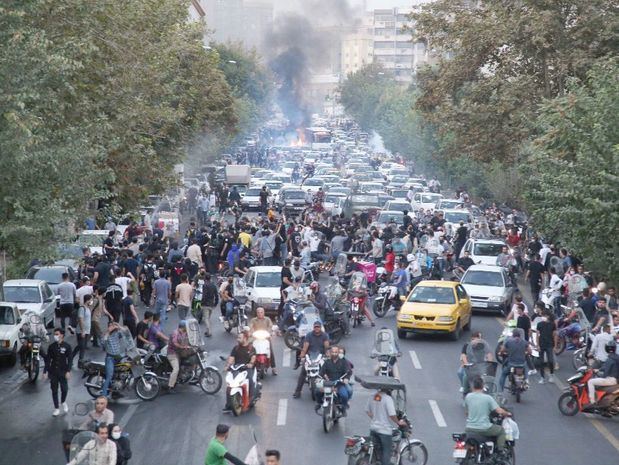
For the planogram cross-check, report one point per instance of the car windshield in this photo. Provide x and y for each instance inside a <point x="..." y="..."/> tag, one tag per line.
<point x="370" y="200"/>
<point x="398" y="206"/>
<point x="332" y="198"/>
<point x="268" y="279"/>
<point x="391" y="218"/>
<point x="483" y="278"/>
<point x="51" y="275"/>
<point x="490" y="250"/>
<point x="399" y="194"/>
<point x="450" y="203"/>
<point x="314" y="182"/>
<point x="429" y="198"/>
<point x="273" y="185"/>
<point x="22" y="294"/>
<point x="295" y="195"/>
<point x="432" y="295"/>
<point x="6" y="316"/>
<point x="456" y="217"/>
<point x="252" y="193"/>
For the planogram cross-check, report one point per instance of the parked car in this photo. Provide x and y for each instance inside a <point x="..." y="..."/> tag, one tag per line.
<point x="52" y="275"/>
<point x="490" y="288"/>
<point x="32" y="294"/>
<point x="10" y="323"/>
<point x="440" y="307"/>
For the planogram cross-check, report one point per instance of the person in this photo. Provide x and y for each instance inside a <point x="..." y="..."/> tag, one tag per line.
<point x="476" y="351"/>
<point x="479" y="406"/>
<point x="99" y="415"/>
<point x="141" y="339"/>
<point x="243" y="354"/>
<point x="114" y="350"/>
<point x="156" y="336"/>
<point x="68" y="297"/>
<point x="114" y="301"/>
<point x="84" y="289"/>
<point x="381" y="410"/>
<point x="162" y="292"/>
<point x="83" y="328"/>
<point x="227" y="298"/>
<point x="400" y="279"/>
<point x="315" y="342"/>
<point x="336" y="369"/>
<point x="516" y="348"/>
<point x="194" y="253"/>
<point x="273" y="457"/>
<point x="216" y="452"/>
<point x="58" y="368"/>
<point x="598" y="345"/>
<point x="555" y="284"/>
<point x="99" y="451"/>
<point x="177" y="345"/>
<point x="535" y="274"/>
<point x="465" y="261"/>
<point x="123" y="445"/>
<point x="210" y="299"/>
<point x="130" y="316"/>
<point x="262" y="322"/>
<point x="183" y="295"/>
<point x="608" y="374"/>
<point x="546" y="331"/>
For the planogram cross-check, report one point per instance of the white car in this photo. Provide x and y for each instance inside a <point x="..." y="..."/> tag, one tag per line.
<point x="331" y="200"/>
<point x="32" y="294"/>
<point x="490" y="288"/>
<point x="425" y="200"/>
<point x="398" y="205"/>
<point x="251" y="199"/>
<point x="483" y="251"/>
<point x="386" y="217"/>
<point x="312" y="185"/>
<point x="260" y="287"/>
<point x="10" y="323"/>
<point x="449" y="204"/>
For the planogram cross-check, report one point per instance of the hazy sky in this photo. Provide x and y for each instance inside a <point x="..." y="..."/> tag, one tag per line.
<point x="371" y="4"/>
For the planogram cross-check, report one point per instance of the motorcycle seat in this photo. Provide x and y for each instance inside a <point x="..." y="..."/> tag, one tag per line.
<point x="613" y="388"/>
<point x="479" y="438"/>
<point x="96" y="364"/>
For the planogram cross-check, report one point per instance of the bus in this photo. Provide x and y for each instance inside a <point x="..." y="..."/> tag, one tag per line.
<point x="318" y="138"/>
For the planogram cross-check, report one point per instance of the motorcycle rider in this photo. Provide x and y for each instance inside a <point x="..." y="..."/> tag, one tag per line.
<point x="100" y="451"/>
<point x="475" y="351"/>
<point x="381" y="409"/>
<point x="479" y="406"/>
<point x="262" y="322"/>
<point x="315" y="342"/>
<point x="100" y="415"/>
<point x="608" y="374"/>
<point x="465" y="262"/>
<point x="598" y="345"/>
<point x="516" y="348"/>
<point x="243" y="354"/>
<point x="114" y="350"/>
<point x="333" y="369"/>
<point x="177" y="344"/>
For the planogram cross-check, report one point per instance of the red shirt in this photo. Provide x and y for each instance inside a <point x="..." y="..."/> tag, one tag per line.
<point x="513" y="240"/>
<point x="389" y="262"/>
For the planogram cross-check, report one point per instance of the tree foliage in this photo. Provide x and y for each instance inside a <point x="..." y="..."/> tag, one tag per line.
<point x="572" y="173"/>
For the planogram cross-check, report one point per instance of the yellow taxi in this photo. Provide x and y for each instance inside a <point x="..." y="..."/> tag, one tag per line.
<point x="435" y="307"/>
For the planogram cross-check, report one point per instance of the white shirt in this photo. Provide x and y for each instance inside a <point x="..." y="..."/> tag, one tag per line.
<point x="123" y="282"/>
<point x="81" y="292"/>
<point x="194" y="253"/>
<point x="597" y="345"/>
<point x="555" y="285"/>
<point x="543" y="253"/>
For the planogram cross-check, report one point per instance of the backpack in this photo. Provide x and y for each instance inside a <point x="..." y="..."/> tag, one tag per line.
<point x="210" y="296"/>
<point x="149" y="271"/>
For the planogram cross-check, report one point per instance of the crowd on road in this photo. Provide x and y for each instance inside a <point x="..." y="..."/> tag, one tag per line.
<point x="126" y="294"/>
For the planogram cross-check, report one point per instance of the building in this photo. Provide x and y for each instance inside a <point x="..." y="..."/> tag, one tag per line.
<point x="393" y="48"/>
<point x="357" y="47"/>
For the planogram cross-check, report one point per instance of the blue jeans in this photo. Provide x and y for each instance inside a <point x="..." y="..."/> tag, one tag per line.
<point x="160" y="309"/>
<point x="505" y="373"/>
<point x="109" y="374"/>
<point x="229" y="309"/>
<point x="461" y="376"/>
<point x="344" y="393"/>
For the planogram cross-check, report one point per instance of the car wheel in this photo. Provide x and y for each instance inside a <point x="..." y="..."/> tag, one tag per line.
<point x="401" y="334"/>
<point x="13" y="356"/>
<point x="455" y="334"/>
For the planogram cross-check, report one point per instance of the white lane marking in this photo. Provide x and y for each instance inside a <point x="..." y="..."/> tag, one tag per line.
<point x="438" y="416"/>
<point x="287" y="356"/>
<point x="128" y="414"/>
<point x="281" y="412"/>
<point x="415" y="359"/>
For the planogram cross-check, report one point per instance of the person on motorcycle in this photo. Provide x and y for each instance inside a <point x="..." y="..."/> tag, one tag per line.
<point x="243" y="354"/>
<point x="334" y="369"/>
<point x="608" y="374"/>
<point x="114" y="351"/>
<point x="99" y="415"/>
<point x="475" y="351"/>
<point x="362" y="292"/>
<point x="381" y="410"/>
<point x="100" y="451"/>
<point x="400" y="280"/>
<point x="178" y="345"/>
<point x="234" y="196"/>
<point x="227" y="298"/>
<point x="465" y="262"/>
<point x="262" y="322"/>
<point x="516" y="349"/>
<point x="315" y="342"/>
<point x="479" y="406"/>
<point x="598" y="345"/>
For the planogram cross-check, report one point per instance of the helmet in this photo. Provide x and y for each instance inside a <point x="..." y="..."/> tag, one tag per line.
<point x="611" y="347"/>
<point x="314" y="285"/>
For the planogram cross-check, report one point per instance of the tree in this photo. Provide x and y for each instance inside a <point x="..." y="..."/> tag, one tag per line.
<point x="361" y="93"/>
<point x="571" y="172"/>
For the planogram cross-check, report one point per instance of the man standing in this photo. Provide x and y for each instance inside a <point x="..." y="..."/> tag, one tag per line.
<point x="194" y="253"/>
<point x="381" y="409"/>
<point x="84" y="320"/>
<point x="216" y="453"/>
<point x="264" y="198"/>
<point x="68" y="297"/>
<point x="183" y="294"/>
<point x="210" y="299"/>
<point x="535" y="275"/>
<point x="130" y="316"/>
<point x="58" y="368"/>
<point x="162" y="291"/>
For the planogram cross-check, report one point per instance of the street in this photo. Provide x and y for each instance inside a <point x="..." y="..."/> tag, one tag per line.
<point x="176" y="428"/>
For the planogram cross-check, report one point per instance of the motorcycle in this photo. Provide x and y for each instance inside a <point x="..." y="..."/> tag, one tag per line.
<point x="193" y="369"/>
<point x="517" y="382"/>
<point x="331" y="409"/>
<point x="238" y="319"/>
<point x="303" y="321"/>
<point x="576" y="396"/>
<point x="387" y="299"/>
<point x="312" y="364"/>
<point x="129" y="372"/>
<point x="238" y="397"/>
<point x="262" y="346"/>
<point x="473" y="448"/>
<point x="365" y="450"/>
<point x="196" y="304"/>
<point x="386" y="351"/>
<point x="32" y="360"/>
<point x="357" y="295"/>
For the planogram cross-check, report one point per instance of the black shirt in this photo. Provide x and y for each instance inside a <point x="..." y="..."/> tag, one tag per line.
<point x="104" y="269"/>
<point x="114" y="298"/>
<point x="524" y="323"/>
<point x="142" y="330"/>
<point x="242" y="354"/>
<point x="58" y="358"/>
<point x="545" y="330"/>
<point x="334" y="370"/>
<point x="588" y="307"/>
<point x="286" y="273"/>
<point x="465" y="262"/>
<point x="127" y="314"/>
<point x="536" y="269"/>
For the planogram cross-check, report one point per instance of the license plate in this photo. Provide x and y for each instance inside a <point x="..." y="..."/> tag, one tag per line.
<point x="459" y="453"/>
<point x="327" y="390"/>
<point x="481" y="304"/>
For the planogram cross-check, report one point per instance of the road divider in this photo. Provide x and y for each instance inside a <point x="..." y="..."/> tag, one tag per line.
<point x="282" y="411"/>
<point x="415" y="359"/>
<point x="438" y="416"/>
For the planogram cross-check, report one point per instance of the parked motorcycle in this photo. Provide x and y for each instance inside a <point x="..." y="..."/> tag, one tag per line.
<point x="193" y="369"/>
<point x="387" y="299"/>
<point x="576" y="396"/>
<point x="32" y="360"/>
<point x="238" y="397"/>
<point x="474" y="448"/>
<point x="129" y="372"/>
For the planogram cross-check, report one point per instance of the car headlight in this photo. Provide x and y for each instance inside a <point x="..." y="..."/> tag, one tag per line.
<point x="405" y="317"/>
<point x="445" y="319"/>
<point x="5" y="343"/>
<point x="496" y="298"/>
